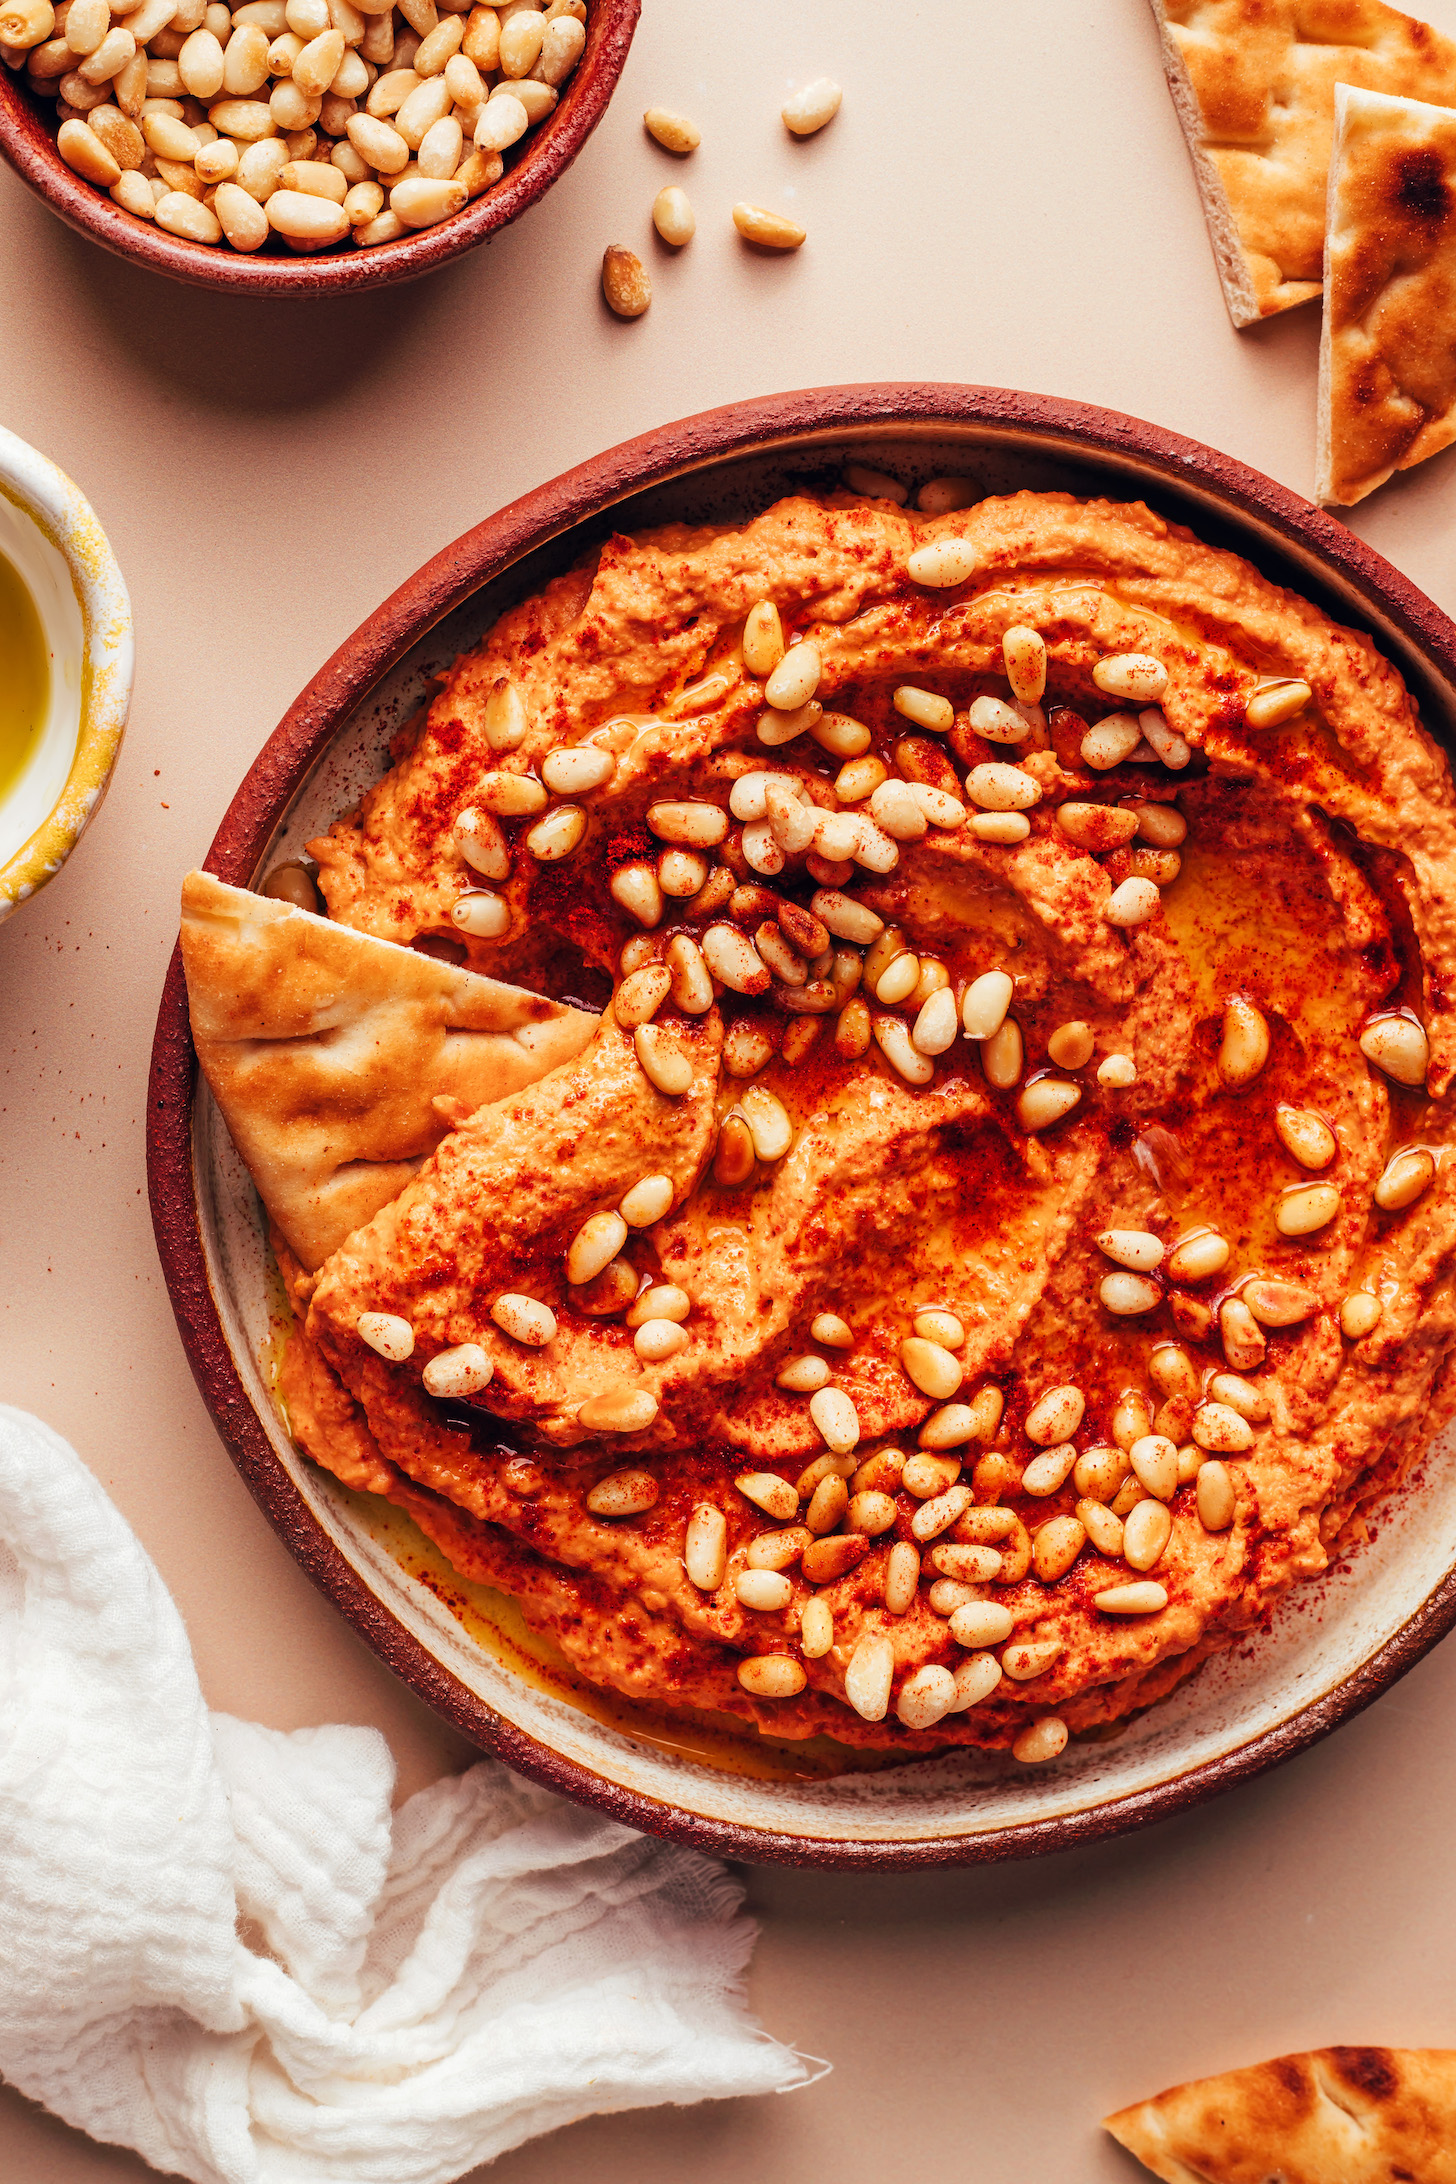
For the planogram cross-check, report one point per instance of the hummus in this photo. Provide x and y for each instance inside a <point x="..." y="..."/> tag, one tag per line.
<point x="1000" y="1233"/>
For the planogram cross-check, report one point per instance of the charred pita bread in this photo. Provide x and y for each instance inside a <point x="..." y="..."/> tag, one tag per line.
<point x="1387" y="394"/>
<point x="1254" y="84"/>
<point x="1341" y="2115"/>
<point x="340" y="1061"/>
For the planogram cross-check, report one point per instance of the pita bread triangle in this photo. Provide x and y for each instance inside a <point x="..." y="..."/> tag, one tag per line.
<point x="1254" y="85"/>
<point x="1387" y="391"/>
<point x="1340" y="2115"/>
<point x="340" y="1061"/>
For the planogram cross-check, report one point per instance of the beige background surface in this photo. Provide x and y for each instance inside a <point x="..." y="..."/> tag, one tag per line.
<point x="1004" y="198"/>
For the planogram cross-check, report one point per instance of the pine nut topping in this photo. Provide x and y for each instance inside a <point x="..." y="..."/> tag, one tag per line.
<point x="924" y="707"/>
<point x="779" y="1550"/>
<point x="662" y="1059"/>
<point x="969" y="1565"/>
<point x="936" y="1325"/>
<point x="827" y="1560"/>
<point x="1169" y="747"/>
<point x="1133" y="903"/>
<point x="1048" y="1473"/>
<point x="781" y="959"/>
<point x="1240" y="1395"/>
<point x="1097" y="826"/>
<point x="768" y="1122"/>
<point x="734" y="1160"/>
<point x="1194" y="1258"/>
<point x="900" y="1051"/>
<point x="1245" y="1047"/>
<point x="939" y="807"/>
<point x="1117" y="1072"/>
<point x="816" y="1628"/>
<point x="624" y="1494"/>
<point x="765" y="1591"/>
<point x="657" y="1340"/>
<point x="1000" y="826"/>
<point x="688" y="825"/>
<point x="943" y="496"/>
<point x="899" y="980"/>
<point x="1406" y="1176"/>
<point x="802" y="1375"/>
<point x="948" y="1593"/>
<point x="926" y="1698"/>
<point x="934" y="1371"/>
<point x="835" y="1333"/>
<point x="1306" y="1207"/>
<point x="465" y="1370"/>
<point x="938" y="1514"/>
<point x="772" y="1676"/>
<point x="746" y="1050"/>
<point x="1102" y="1528"/>
<point x="625" y="281"/>
<point x="836" y="1418"/>
<point x="1055" y="1547"/>
<point x="939" y="565"/>
<point x="1000" y="788"/>
<point x="871" y="1513"/>
<point x="1145" y="1599"/>
<point x="635" y="887"/>
<point x="1070" y="1045"/>
<point x="692" y="988"/>
<point x="1221" y="1430"/>
<point x="1273" y="703"/>
<point x="387" y="1334"/>
<point x="1161" y="824"/>
<point x="1044" y="1740"/>
<point x="845" y="918"/>
<point x="481" y="913"/>
<point x="926" y="1476"/>
<point x="768" y="1492"/>
<point x="1134" y="675"/>
<point x="997" y="722"/>
<point x="647" y="1201"/>
<point x="858" y="778"/>
<point x="975" y="1680"/>
<point x="1023" y="1663"/>
<point x="1214" y="1491"/>
<point x="682" y="872"/>
<point x="1113" y="739"/>
<point x="524" y="1319"/>
<point x="705" y="1547"/>
<point x="1398" y="1046"/>
<point x="510" y="795"/>
<point x="840" y="736"/>
<point x="1146" y="1531"/>
<point x="827" y="1504"/>
<point x="902" y="1577"/>
<point x="673" y="217"/>
<point x="1243" y="1343"/>
<point x="665" y="1301"/>
<point x="770" y="230"/>
<point x="482" y="844"/>
<point x="1359" y="1314"/>
<point x="1171" y="1368"/>
<point x="1305" y="1136"/>
<point x="1128" y="1294"/>
<point x="674" y="132"/>
<point x="1024" y="656"/>
<point x="1045" y="1101"/>
<point x="795" y="679"/>
<point x="1055" y="1416"/>
<point x="981" y="1623"/>
<point x="619" y="1409"/>
<point x="505" y="716"/>
<point x="641" y="994"/>
<point x="894" y="807"/>
<point x="875" y="484"/>
<point x="1099" y="1472"/>
<point x="983" y="1010"/>
<point x="936" y="1027"/>
<point x="1154" y="1460"/>
<point x="1279" y="1304"/>
<point x="869" y="1676"/>
<point x="810" y="108"/>
<point x="1133" y="1248"/>
<point x="732" y="958"/>
<point x="763" y="641"/>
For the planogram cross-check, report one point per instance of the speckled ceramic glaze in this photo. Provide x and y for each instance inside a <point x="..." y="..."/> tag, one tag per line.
<point x="28" y="141"/>
<point x="49" y="533"/>
<point x="1334" y="1644"/>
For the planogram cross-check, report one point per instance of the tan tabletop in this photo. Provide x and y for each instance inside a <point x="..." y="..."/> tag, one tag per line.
<point x="1005" y="198"/>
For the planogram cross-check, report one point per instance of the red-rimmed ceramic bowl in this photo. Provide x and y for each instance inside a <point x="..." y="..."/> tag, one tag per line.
<point x="28" y="141"/>
<point x="1335" y="1644"/>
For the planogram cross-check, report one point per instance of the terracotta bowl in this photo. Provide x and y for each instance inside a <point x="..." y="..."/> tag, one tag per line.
<point x="28" y="141"/>
<point x="1334" y="1646"/>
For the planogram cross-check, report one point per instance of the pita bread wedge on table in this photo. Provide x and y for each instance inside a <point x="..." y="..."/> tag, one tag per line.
<point x="1387" y="394"/>
<point x="1340" y="2115"/>
<point x="328" y="1050"/>
<point x="1254" y="84"/>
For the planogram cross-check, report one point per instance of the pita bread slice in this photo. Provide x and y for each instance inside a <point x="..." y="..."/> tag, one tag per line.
<point x="1387" y="392"/>
<point x="1254" y="85"/>
<point x="340" y="1061"/>
<point x="1340" y="2115"/>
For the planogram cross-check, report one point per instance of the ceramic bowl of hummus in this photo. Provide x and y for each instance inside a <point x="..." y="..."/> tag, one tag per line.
<point x="66" y="662"/>
<point x="840" y="1020"/>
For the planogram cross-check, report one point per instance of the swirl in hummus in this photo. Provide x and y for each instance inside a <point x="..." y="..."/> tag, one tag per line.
<point x="999" y="1233"/>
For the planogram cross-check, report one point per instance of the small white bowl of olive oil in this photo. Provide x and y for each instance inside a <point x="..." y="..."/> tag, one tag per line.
<point x="66" y="662"/>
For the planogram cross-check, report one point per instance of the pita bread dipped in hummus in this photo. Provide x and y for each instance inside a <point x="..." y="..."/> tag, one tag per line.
<point x="999" y="1234"/>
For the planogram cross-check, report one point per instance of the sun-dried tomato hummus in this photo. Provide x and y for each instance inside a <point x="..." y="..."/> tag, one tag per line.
<point x="1001" y="1230"/>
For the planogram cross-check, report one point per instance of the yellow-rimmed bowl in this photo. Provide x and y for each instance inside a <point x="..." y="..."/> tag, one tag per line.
<point x="49" y="532"/>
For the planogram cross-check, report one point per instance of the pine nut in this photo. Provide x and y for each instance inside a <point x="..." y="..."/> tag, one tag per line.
<point x="662" y="1059"/>
<point x="1406" y="1175"/>
<point x="1047" y="1474"/>
<point x="795" y="679"/>
<point x="1305" y="1136"/>
<point x="641" y="994"/>
<point x="619" y="1409"/>
<point x="385" y="1332"/>
<point x="1112" y="740"/>
<point x="936" y="1026"/>
<point x="1023" y="1663"/>
<point x="1240" y="1395"/>
<point x="1145" y="1599"/>
<point x="981" y="1623"/>
<point x="772" y="1676"/>
<point x="768" y="1123"/>
<point x="665" y="1301"/>
<point x="1170" y="1368"/>
<point x="770" y="230"/>
<point x="827" y="1505"/>
<point x="765" y="1591"/>
<point x="816" y="1628"/>
<point x="1102" y="1528"/>
<point x="524" y="1319"/>
<point x="941" y="1327"/>
<point x="893" y="1038"/>
<point x="1096" y="826"/>
<point x="869" y="1675"/>
<point x="672" y="216"/>
<point x="836" y="1418"/>
<point x="1117" y="1072"/>
<point x="1045" y="1101"/>
<point x="927" y="1476"/>
<point x="1145" y="1534"/>
<point x="1221" y="1430"/>
<point x="1099" y="1472"/>
<point x="1132" y="1248"/>
<point x="705" y="1547"/>
<point x="975" y="1679"/>
<point x="1055" y="1416"/>
<point x="968" y="1565"/>
<point x="1307" y="1207"/>
<point x="1243" y="1344"/>
<point x="505" y="795"/>
<point x="939" y="1513"/>
<point x="1279" y="1304"/>
<point x="1168" y="747"/>
<point x="386" y="151"/>
<point x="956" y="1423"/>
<point x="803" y="1375"/>
<point x="840" y="736"/>
<point x="792" y="824"/>
<point x="899" y="980"/>
<point x="1133" y="903"/>
<point x="636" y="889"/>
<point x="1128" y="1294"/>
<point x="845" y="918"/>
<point x="941" y="564"/>
<point x="998" y="723"/>
<point x="1214" y="1490"/>
<point x="1359" y="1314"/>
<point x="1070" y="1045"/>
<point x="674" y="132"/>
<point x="1154" y="1459"/>
<point x="657" y="1340"/>
<point x="1044" y="1740"/>
<point x="647" y="1201"/>
<point x="623" y="1494"/>
<point x="1000" y="788"/>
<point x="561" y="831"/>
<point x="1055" y="1547"/>
<point x="688" y="825"/>
<point x="84" y="152"/>
<point x="894" y="807"/>
<point x="935" y="1371"/>
<point x="926" y="1698"/>
<point x="938" y="806"/>
<point x="1245" y="1047"/>
<point x="181" y="215"/>
<point x="825" y="1561"/>
<point x="875" y="484"/>
<point x="943" y="496"/>
<point x="477" y="836"/>
<point x="948" y="1593"/>
<point x="1195" y="1257"/>
<point x="692" y="988"/>
<point x="1398" y="1046"/>
<point x="1134" y="675"/>
<point x="1273" y="703"/>
<point x="810" y="108"/>
<point x="999" y="826"/>
<point x="983" y="1009"/>
<point x="134" y="194"/>
<point x="465" y="1370"/>
<point x="871" y="1513"/>
<point x="1161" y="866"/>
<point x="924" y="708"/>
<point x="775" y="728"/>
<point x="625" y="281"/>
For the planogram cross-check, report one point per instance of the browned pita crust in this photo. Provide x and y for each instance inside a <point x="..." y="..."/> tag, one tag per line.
<point x="1341" y="2115"/>
<point x="327" y="1049"/>
<point x="1387" y="395"/>
<point x="1254" y="85"/>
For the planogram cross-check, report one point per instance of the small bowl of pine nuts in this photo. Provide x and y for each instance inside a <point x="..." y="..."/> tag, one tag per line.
<point x="301" y="146"/>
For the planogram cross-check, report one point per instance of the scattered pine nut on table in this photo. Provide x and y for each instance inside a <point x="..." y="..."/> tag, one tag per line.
<point x="313" y="121"/>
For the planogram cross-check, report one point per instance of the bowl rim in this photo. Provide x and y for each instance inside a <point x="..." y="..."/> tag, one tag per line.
<point x="356" y="667"/>
<point x="58" y="508"/>
<point x="28" y="142"/>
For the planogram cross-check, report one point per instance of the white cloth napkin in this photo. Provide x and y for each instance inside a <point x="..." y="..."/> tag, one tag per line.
<point x="219" y="1947"/>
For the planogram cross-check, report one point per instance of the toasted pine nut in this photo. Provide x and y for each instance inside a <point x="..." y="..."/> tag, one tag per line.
<point x="816" y="1628"/>
<point x="1027" y="1661"/>
<point x="1023" y="653"/>
<point x="940" y="565"/>
<point x="316" y="178"/>
<point x="134" y="194"/>
<point x="895" y="808"/>
<point x="625" y="282"/>
<point x="766" y="1591"/>
<point x="1154" y="1459"/>
<point x="1132" y="1248"/>
<point x="827" y="1503"/>
<point x="561" y="831"/>
<point x="521" y="39"/>
<point x="1306" y="1207"/>
<point x="981" y="1623"/>
<point x="871" y="1513"/>
<point x="772" y="1676"/>
<point x="826" y="1560"/>
<point x="1070" y="1047"/>
<point x="927" y="1697"/>
<point x="672" y="216"/>
<point x="998" y="723"/>
<point x="635" y="887"/>
<point x="665" y="1301"/>
<point x="440" y="150"/>
<point x="1221" y="1431"/>
<point x="1102" y="1527"/>
<point x="1047" y="1474"/>
<point x="935" y="1372"/>
<point x="1133" y="903"/>
<point x="869" y="1676"/>
<point x="503" y="122"/>
<point x="1243" y="1344"/>
<point x="1196" y="1256"/>
<point x="1407" y="1174"/>
<point x="1099" y="1472"/>
<point x="420" y="201"/>
<point x="689" y="825"/>
<point x="795" y="679"/>
<point x="892" y="1035"/>
<point x="770" y="230"/>
<point x="763" y="647"/>
<point x="477" y="836"/>
<point x="1044" y="1740"/>
<point x="768" y="1492"/>
<point x="924" y="707"/>
<point x="1245" y="1047"/>
<point x="942" y="496"/>
<point x="834" y="1332"/>
<point x="1214" y="1490"/>
<point x="845" y="918"/>
<point x="811" y="107"/>
<point x="561" y="49"/>
<point x="983" y="1009"/>
<point x="705" y="1547"/>
<point x="1001" y="1056"/>
<point x="25" y="24"/>
<point x="465" y="1370"/>
<point x="1398" y="1046"/>
<point x="803" y="1375"/>
<point x="1000" y="788"/>
<point x="84" y="152"/>
<point x="1275" y="702"/>
<point x="524" y="1319"/>
<point x="940" y="1326"/>
<point x="182" y="215"/>
<point x="1171" y="1368"/>
<point x="1305" y="1136"/>
<point x="1134" y="675"/>
<point x="674" y="132"/>
<point x="1045" y="1101"/>
<point x="1097" y="826"/>
<point x="1129" y="1294"/>
<point x="385" y="1332"/>
<point x="481" y="912"/>
<point x="619" y="1409"/>
<point x="1055" y="1547"/>
<point x="662" y="1059"/>
<point x="936" y="1027"/>
<point x="1360" y="1314"/>
<point x="836" y="1418"/>
<point x="657" y="1340"/>
<point x="1113" y="739"/>
<point x="1144" y="1599"/>
<point x="1145" y="1533"/>
<point x="505" y="709"/>
<point x="436" y="48"/>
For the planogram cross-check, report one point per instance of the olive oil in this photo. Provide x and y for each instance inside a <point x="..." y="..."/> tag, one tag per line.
<point x="25" y="678"/>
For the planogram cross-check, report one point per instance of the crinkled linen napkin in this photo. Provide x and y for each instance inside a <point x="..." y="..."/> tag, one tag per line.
<point x="218" y="1945"/>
